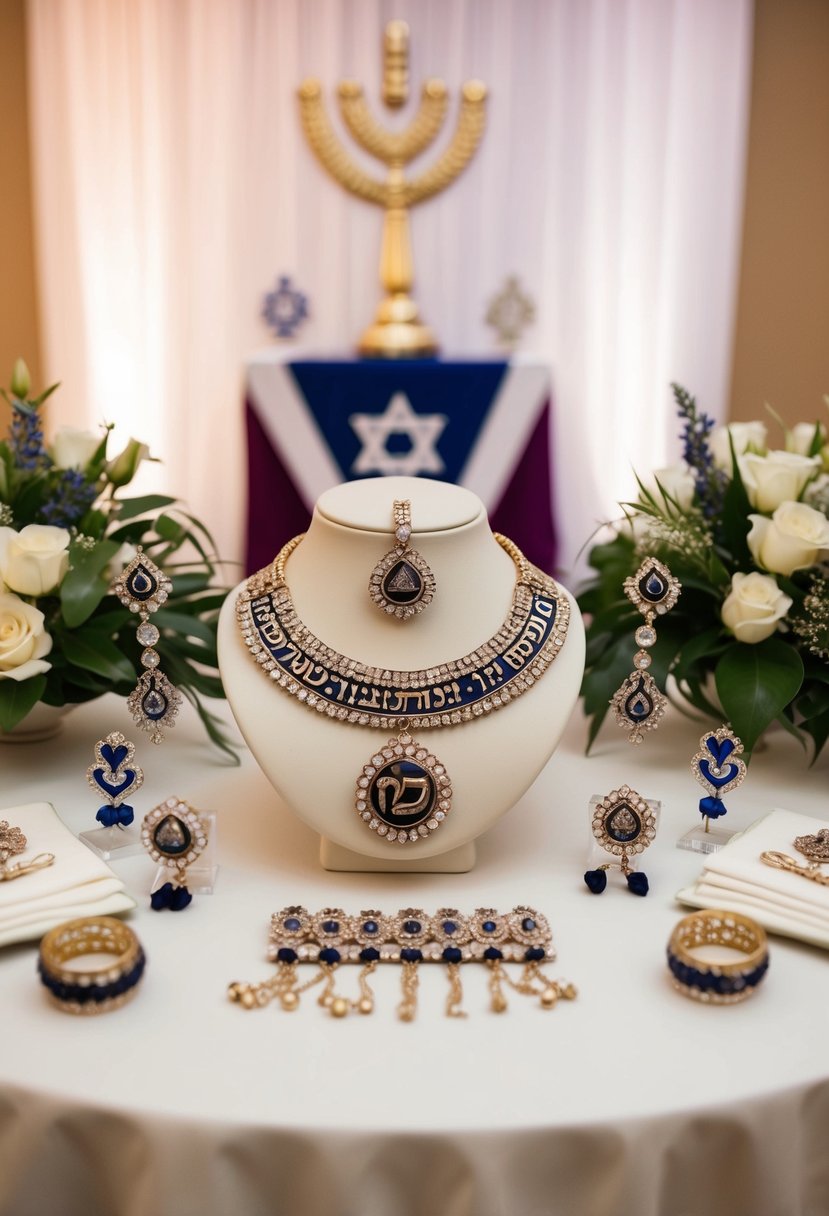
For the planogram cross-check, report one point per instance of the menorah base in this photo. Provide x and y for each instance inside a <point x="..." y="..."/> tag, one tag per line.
<point x="397" y="340"/>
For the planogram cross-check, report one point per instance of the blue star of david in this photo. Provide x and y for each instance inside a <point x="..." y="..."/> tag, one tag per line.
<point x="285" y="308"/>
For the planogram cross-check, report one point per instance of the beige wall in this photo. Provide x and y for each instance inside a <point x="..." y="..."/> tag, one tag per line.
<point x="18" y="320"/>
<point x="18" y="313"/>
<point x="781" y="349"/>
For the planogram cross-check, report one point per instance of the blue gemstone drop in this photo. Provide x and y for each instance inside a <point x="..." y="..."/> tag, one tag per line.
<point x="154" y="703"/>
<point x="653" y="587"/>
<point x="638" y="706"/>
<point x="141" y="584"/>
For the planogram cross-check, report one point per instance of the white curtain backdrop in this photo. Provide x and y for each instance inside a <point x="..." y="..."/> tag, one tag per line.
<point x="173" y="185"/>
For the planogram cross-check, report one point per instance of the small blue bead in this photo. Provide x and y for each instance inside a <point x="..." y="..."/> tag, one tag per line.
<point x="449" y="927"/>
<point x="535" y="954"/>
<point x="489" y="926"/>
<point x="528" y="924"/>
<point x="286" y="955"/>
<point x="292" y="924"/>
<point x="411" y="926"/>
<point x="369" y="955"/>
<point x="492" y="952"/>
<point x="452" y="954"/>
<point x="370" y="926"/>
<point x="330" y="926"/>
<point x="410" y="955"/>
<point x="329" y="955"/>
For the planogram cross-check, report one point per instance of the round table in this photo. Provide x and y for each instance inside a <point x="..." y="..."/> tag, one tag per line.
<point x="629" y="1099"/>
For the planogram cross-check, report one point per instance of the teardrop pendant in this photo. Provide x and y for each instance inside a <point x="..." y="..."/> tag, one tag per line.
<point x="638" y="704"/>
<point x="401" y="583"/>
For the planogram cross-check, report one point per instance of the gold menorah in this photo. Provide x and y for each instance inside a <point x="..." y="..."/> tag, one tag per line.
<point x="397" y="331"/>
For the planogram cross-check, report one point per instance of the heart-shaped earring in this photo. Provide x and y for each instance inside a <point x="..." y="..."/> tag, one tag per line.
<point x="114" y="776"/>
<point x="718" y="768"/>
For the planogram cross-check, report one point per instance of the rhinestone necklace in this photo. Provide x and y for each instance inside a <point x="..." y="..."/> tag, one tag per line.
<point x="404" y="792"/>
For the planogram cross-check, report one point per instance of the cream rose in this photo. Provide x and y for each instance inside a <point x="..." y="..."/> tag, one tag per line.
<point x="801" y="437"/>
<point x="791" y="540"/>
<point x="676" y="480"/>
<point x="23" y="640"/>
<point x="753" y="607"/>
<point x="123" y="468"/>
<point x="73" y="448"/>
<point x="34" y="560"/>
<point x="777" y="477"/>
<point x="744" y="435"/>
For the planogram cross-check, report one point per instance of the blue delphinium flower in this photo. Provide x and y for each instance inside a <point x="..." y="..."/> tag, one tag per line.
<point x="72" y="497"/>
<point x="26" y="439"/>
<point x="710" y="482"/>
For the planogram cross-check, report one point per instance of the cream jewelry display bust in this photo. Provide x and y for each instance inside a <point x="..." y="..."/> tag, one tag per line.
<point x="306" y="637"/>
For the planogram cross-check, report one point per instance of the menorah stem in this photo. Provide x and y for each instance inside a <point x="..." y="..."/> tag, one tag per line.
<point x="397" y="330"/>
<point x="396" y="266"/>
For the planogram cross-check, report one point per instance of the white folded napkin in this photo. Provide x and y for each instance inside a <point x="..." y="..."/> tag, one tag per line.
<point x="736" y="879"/>
<point x="78" y="883"/>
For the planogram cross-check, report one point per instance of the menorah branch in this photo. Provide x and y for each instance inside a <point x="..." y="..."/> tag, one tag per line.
<point x="468" y="132"/>
<point x="389" y="146"/>
<point x="329" y="151"/>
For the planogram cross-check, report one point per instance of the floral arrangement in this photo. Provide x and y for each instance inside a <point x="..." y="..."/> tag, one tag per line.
<point x="66" y="531"/>
<point x="745" y="529"/>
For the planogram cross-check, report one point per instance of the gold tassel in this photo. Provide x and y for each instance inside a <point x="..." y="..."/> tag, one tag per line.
<point x="497" y="975"/>
<point x="407" y="1009"/>
<point x="454" y="999"/>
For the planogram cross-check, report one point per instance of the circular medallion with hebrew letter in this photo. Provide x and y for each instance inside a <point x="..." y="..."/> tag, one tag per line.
<point x="404" y="792"/>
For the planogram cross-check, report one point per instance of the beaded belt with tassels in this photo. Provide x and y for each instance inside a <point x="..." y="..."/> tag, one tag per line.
<point x="331" y="938"/>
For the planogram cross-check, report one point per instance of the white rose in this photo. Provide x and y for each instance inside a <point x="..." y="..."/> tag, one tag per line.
<point x="123" y="468"/>
<point x="34" y="560"/>
<point x="777" y="477"/>
<point x="23" y="640"/>
<point x="743" y="434"/>
<point x="73" y="448"/>
<point x="801" y="437"/>
<point x="791" y="540"/>
<point x="753" y="607"/>
<point x="677" y="481"/>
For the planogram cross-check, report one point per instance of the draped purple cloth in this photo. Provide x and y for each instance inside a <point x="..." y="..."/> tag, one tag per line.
<point x="276" y="510"/>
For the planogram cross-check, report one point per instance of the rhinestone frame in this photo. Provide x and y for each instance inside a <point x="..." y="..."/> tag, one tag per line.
<point x="402" y="748"/>
<point x="188" y="815"/>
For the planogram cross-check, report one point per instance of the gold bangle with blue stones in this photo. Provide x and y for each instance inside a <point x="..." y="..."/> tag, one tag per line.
<point x="721" y="983"/>
<point x="95" y="987"/>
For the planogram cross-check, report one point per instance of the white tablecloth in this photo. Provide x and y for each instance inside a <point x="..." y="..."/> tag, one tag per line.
<point x="630" y="1099"/>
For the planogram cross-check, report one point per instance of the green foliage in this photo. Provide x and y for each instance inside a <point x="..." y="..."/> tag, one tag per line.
<point x="94" y="648"/>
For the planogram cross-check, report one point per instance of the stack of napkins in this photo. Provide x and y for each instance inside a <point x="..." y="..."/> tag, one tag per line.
<point x="736" y="879"/>
<point x="77" y="884"/>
